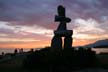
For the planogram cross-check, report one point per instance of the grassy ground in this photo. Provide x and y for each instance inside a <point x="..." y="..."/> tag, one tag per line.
<point x="13" y="65"/>
<point x="103" y="60"/>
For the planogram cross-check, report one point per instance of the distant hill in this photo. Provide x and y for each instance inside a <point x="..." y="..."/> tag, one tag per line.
<point x="98" y="44"/>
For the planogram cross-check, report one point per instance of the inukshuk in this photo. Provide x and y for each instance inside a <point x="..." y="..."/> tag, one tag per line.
<point x="62" y="31"/>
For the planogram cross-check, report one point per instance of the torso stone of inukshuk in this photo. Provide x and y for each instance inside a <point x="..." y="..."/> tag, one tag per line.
<point x="61" y="17"/>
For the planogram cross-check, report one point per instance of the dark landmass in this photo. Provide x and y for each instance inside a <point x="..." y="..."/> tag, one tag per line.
<point x="98" y="44"/>
<point x="47" y="60"/>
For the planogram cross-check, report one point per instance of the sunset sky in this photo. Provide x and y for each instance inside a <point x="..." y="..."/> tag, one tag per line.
<point x="30" y="23"/>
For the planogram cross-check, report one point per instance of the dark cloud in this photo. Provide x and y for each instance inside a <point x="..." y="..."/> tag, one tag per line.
<point x="41" y="12"/>
<point x="6" y="31"/>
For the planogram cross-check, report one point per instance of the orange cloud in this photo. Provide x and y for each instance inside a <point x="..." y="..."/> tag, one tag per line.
<point x="82" y="42"/>
<point x="38" y="44"/>
<point x="41" y="44"/>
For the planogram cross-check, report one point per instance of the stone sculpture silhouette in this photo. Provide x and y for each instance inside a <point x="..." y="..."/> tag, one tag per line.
<point x="62" y="31"/>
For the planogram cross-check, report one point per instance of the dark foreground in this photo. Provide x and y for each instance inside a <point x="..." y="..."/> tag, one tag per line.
<point x="46" y="60"/>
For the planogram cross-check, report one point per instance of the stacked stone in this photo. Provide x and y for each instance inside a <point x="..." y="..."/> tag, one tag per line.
<point x="62" y="31"/>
